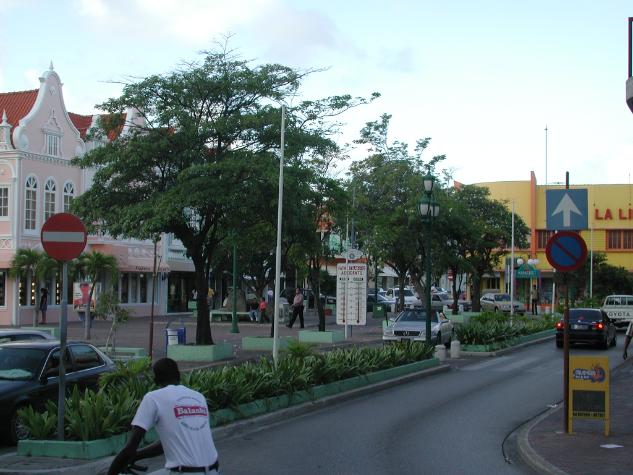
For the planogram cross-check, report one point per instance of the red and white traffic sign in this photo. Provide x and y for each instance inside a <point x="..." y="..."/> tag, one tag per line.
<point x="64" y="236"/>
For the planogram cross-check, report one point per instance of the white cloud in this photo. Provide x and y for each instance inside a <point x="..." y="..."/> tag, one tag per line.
<point x="93" y="8"/>
<point x="32" y="77"/>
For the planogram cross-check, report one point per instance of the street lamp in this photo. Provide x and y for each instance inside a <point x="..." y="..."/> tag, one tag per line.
<point x="429" y="209"/>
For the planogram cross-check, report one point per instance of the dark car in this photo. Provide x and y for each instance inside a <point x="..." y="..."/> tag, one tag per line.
<point x="29" y="376"/>
<point x="371" y="299"/>
<point x="21" y="335"/>
<point x="588" y="325"/>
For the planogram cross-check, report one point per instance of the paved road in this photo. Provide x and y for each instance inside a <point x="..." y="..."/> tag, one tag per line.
<point x="453" y="423"/>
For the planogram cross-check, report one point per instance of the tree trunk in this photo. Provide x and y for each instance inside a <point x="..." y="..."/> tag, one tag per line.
<point x="203" y="326"/>
<point x="87" y="322"/>
<point x="454" y="288"/>
<point x="316" y="290"/>
<point x="400" y="302"/>
<point x="476" y="293"/>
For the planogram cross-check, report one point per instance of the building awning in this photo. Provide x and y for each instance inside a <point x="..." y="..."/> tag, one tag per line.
<point x="132" y="259"/>
<point x="387" y="272"/>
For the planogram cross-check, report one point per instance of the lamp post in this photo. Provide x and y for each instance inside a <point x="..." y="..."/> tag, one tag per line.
<point x="429" y="209"/>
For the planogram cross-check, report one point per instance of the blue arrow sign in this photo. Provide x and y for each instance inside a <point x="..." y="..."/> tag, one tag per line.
<point x="566" y="209"/>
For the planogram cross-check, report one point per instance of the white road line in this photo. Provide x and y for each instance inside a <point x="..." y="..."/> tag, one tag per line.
<point x="486" y="364"/>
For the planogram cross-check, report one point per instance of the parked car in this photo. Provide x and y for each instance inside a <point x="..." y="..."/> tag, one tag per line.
<point x="411" y="299"/>
<point x="588" y="325"/>
<point x="440" y="299"/>
<point x="500" y="302"/>
<point x="29" y="376"/>
<point x="619" y="308"/>
<point x="381" y="300"/>
<point x="20" y="335"/>
<point x="411" y="325"/>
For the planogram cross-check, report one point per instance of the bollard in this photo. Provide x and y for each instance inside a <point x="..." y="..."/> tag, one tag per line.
<point x="455" y="348"/>
<point x="440" y="352"/>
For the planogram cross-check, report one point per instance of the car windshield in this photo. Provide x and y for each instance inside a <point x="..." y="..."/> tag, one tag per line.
<point x="407" y="292"/>
<point x="580" y="316"/>
<point x="415" y="316"/>
<point x="21" y="363"/>
<point x="444" y="297"/>
<point x="502" y="297"/>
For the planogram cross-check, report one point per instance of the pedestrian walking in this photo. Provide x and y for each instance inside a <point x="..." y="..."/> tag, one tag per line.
<point x="262" y="311"/>
<point x="535" y="300"/>
<point x="297" y="308"/>
<point x="181" y="418"/>
<point x="43" y="305"/>
<point x="627" y="340"/>
<point x="210" y="295"/>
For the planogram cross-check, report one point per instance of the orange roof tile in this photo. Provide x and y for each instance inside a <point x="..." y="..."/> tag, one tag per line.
<point x="17" y="104"/>
<point x="81" y="122"/>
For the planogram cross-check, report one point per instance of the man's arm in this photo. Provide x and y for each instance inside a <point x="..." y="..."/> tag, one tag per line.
<point x="128" y="453"/>
<point x="627" y="340"/>
<point x="152" y="450"/>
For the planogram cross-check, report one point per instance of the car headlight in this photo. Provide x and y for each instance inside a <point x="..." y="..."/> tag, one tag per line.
<point x="388" y="331"/>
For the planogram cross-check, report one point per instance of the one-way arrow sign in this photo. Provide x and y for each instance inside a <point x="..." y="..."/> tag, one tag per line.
<point x="566" y="209"/>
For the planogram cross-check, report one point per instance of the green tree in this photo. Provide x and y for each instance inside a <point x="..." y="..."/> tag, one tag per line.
<point x="35" y="264"/>
<point x="186" y="165"/>
<point x="487" y="233"/>
<point x="95" y="266"/>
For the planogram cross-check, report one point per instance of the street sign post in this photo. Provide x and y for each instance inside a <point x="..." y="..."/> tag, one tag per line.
<point x="566" y="209"/>
<point x="566" y="251"/>
<point x="64" y="238"/>
<point x="351" y="294"/>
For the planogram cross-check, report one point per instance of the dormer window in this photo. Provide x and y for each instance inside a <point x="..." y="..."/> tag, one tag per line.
<point x="53" y="145"/>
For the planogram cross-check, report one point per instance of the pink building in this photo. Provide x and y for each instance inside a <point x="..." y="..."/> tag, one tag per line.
<point x="38" y="138"/>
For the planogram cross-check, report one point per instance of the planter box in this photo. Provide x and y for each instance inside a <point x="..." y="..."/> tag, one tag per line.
<point x="251" y="343"/>
<point x="219" y="351"/>
<point x="124" y="352"/>
<point x="499" y="345"/>
<point x="75" y="449"/>
<point x="310" y="336"/>
<point x="535" y="336"/>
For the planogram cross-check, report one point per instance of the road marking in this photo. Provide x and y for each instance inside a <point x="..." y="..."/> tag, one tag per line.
<point x="518" y="364"/>
<point x="487" y="364"/>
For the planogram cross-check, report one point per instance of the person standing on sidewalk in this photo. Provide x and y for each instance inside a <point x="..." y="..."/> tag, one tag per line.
<point x="535" y="299"/>
<point x="297" y="308"/>
<point x="627" y="340"/>
<point x="43" y="305"/>
<point x="181" y="418"/>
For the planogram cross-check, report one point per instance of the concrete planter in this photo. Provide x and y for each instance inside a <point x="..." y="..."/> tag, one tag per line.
<point x="535" y="336"/>
<point x="310" y="336"/>
<point x="499" y="345"/>
<point x="77" y="449"/>
<point x="219" y="351"/>
<point x="250" y="343"/>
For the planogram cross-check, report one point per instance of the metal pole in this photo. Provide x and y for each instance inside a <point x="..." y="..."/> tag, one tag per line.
<point x="277" y="295"/>
<point x="566" y="353"/>
<point x="591" y="265"/>
<point x="428" y="273"/>
<point x="512" y="267"/>
<point x="234" y="328"/>
<point x="151" y="313"/>
<point x="61" y="392"/>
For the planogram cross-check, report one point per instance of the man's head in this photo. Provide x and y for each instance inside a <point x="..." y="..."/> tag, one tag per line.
<point x="297" y="290"/>
<point x="166" y="372"/>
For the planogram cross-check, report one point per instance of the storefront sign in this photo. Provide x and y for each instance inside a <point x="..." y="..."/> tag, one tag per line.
<point x="608" y="215"/>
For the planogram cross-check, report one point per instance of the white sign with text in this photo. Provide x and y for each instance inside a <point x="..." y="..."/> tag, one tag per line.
<point x="351" y="294"/>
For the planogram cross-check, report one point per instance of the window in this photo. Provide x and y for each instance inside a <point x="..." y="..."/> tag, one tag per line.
<point x="4" y="201"/>
<point x="542" y="236"/>
<point x="124" y="288"/>
<point x="3" y="287"/>
<point x="619" y="239"/>
<point x="133" y="288"/>
<point x="142" y="282"/>
<point x="85" y="357"/>
<point x="69" y="196"/>
<point x="22" y="290"/>
<point x="53" y="145"/>
<point x="30" y="203"/>
<point x="49" y="198"/>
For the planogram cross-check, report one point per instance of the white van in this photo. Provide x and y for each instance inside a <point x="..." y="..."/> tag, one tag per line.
<point x="619" y="308"/>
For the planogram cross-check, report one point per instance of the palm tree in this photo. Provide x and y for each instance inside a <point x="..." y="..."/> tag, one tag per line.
<point x="95" y="265"/>
<point x="36" y="264"/>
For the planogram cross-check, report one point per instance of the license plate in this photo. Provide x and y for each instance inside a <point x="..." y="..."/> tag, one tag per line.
<point x="577" y="327"/>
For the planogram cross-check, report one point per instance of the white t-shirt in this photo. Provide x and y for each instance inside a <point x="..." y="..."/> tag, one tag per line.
<point x="181" y="417"/>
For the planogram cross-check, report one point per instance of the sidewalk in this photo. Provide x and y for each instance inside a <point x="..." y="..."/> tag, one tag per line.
<point x="545" y="446"/>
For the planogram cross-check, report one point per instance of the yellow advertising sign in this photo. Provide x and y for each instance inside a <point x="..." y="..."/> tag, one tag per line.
<point x="589" y="389"/>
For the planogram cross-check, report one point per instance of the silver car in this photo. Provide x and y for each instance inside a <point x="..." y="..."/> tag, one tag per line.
<point x="410" y="325"/>
<point x="440" y="299"/>
<point x="499" y="302"/>
<point x="19" y="334"/>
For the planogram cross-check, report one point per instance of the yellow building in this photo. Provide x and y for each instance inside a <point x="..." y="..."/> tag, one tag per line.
<point x="610" y="220"/>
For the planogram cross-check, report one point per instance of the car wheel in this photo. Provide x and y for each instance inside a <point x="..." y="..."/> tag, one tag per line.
<point x="438" y="339"/>
<point x="559" y="344"/>
<point x="450" y="338"/>
<point x="496" y="309"/>
<point x="605" y="343"/>
<point x="15" y="430"/>
<point x="614" y="342"/>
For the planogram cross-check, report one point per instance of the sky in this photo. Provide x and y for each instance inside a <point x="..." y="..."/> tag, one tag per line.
<point x="481" y="78"/>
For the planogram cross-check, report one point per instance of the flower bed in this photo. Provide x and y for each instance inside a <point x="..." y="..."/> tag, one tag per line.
<point x="231" y="390"/>
<point x="491" y="332"/>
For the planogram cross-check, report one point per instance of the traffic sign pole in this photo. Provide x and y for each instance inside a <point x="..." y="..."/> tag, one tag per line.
<point x="566" y="353"/>
<point x="61" y="394"/>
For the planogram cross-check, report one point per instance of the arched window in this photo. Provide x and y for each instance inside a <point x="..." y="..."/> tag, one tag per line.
<point x="30" y="203"/>
<point x="69" y="195"/>
<point x="49" y="198"/>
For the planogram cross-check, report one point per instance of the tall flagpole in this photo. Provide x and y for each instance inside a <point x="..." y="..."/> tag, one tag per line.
<point x="277" y="296"/>
<point x="546" y="155"/>
<point x="512" y="266"/>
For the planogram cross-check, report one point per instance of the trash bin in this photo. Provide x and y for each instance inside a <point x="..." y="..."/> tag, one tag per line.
<point x="175" y="336"/>
<point x="379" y="311"/>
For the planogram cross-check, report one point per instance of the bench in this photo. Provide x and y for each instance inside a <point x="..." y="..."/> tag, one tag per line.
<point x="226" y="316"/>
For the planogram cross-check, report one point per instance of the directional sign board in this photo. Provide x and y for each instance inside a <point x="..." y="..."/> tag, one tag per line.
<point x="566" y="209"/>
<point x="63" y="236"/>
<point x="566" y="251"/>
<point x="351" y="294"/>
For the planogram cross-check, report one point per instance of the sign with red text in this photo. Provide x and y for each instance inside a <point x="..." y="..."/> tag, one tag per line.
<point x="351" y="294"/>
<point x="63" y="236"/>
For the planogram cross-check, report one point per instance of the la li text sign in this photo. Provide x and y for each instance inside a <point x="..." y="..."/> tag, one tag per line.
<point x="608" y="214"/>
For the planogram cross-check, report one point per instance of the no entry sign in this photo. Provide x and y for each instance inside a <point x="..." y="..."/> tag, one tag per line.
<point x="63" y="236"/>
<point x="566" y="251"/>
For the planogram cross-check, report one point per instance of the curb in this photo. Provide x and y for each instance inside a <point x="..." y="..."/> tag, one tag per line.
<point x="509" y="349"/>
<point x="219" y="433"/>
<point x="528" y="454"/>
